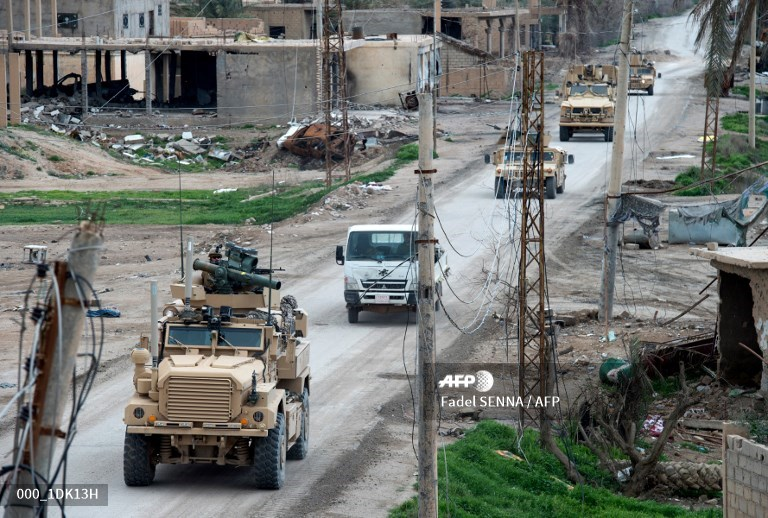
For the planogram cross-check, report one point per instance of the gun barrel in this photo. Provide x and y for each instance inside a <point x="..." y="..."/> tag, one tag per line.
<point x="253" y="279"/>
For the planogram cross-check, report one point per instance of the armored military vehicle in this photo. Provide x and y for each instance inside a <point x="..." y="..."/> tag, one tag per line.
<point x="589" y="101"/>
<point x="508" y="167"/>
<point x="642" y="72"/>
<point x="224" y="376"/>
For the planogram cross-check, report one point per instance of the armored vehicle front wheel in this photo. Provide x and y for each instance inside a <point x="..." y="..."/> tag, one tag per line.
<point x="269" y="457"/>
<point x="550" y="188"/>
<point x="300" y="448"/>
<point x="352" y="315"/>
<point x="561" y="188"/>
<point x="608" y="134"/>
<point x="565" y="134"/>
<point x="650" y="90"/>
<point x="138" y="462"/>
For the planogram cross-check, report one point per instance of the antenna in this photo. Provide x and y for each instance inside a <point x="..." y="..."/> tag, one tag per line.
<point x="181" y="223"/>
<point x="271" y="233"/>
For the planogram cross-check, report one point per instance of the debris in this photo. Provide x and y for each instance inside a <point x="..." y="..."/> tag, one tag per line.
<point x="654" y="425"/>
<point x="223" y="190"/>
<point x="220" y="154"/>
<point x="509" y="455"/>
<point x="611" y="337"/>
<point x="187" y="135"/>
<point x="187" y="147"/>
<point x="56" y="129"/>
<point x="133" y="139"/>
<point x="104" y="312"/>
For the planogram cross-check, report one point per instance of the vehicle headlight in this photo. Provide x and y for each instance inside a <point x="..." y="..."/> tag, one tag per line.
<point x="349" y="283"/>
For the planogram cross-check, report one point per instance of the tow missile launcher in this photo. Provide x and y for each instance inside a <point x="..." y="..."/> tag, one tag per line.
<point x="224" y="376"/>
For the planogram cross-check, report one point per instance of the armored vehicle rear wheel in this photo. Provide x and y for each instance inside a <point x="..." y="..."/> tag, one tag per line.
<point x="609" y="134"/>
<point x="565" y="134"/>
<point x="138" y="464"/>
<point x="269" y="457"/>
<point x="499" y="187"/>
<point x="550" y="188"/>
<point x="352" y="315"/>
<point x="300" y="448"/>
<point x="650" y="90"/>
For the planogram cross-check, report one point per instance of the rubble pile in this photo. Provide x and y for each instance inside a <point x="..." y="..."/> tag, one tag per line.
<point x="350" y="197"/>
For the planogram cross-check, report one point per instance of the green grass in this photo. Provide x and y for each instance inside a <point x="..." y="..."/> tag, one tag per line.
<point x="55" y="158"/>
<point x="15" y="151"/>
<point x="733" y="154"/>
<point x="162" y="207"/>
<point x="480" y="482"/>
<point x="739" y="122"/>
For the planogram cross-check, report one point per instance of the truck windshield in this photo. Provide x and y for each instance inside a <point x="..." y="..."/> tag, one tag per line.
<point x="578" y="89"/>
<point x="381" y="245"/>
<point x="599" y="89"/>
<point x="241" y="337"/>
<point x="189" y="336"/>
<point x="513" y="156"/>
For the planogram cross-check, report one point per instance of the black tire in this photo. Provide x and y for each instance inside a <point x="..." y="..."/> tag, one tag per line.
<point x="269" y="457"/>
<point x="138" y="462"/>
<point x="650" y="90"/>
<point x="499" y="187"/>
<point x="565" y="134"/>
<point x="300" y="448"/>
<point x="550" y="188"/>
<point x="561" y="188"/>
<point x="352" y="315"/>
<point x="609" y="134"/>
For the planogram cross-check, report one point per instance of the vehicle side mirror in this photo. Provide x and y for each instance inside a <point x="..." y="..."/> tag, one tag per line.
<point x="659" y="75"/>
<point x="570" y="159"/>
<point x="438" y="252"/>
<point x="339" y="254"/>
<point x="487" y="159"/>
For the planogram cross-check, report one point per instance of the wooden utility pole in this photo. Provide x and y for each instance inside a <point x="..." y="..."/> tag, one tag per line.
<point x="617" y="159"/>
<point x="55" y="362"/>
<point x="752" y="72"/>
<point x="426" y="308"/>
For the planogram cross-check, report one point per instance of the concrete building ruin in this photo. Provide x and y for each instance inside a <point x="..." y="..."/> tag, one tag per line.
<point x="114" y="47"/>
<point x="742" y="313"/>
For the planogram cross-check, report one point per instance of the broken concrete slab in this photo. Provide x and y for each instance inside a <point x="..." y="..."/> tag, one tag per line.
<point x="133" y="139"/>
<point x="187" y="135"/>
<point x="188" y="148"/>
<point x="57" y="129"/>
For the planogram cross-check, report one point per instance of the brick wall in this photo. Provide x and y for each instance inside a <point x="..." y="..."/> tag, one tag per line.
<point x="464" y="74"/>
<point x="745" y="478"/>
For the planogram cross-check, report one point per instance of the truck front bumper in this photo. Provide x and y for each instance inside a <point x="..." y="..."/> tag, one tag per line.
<point x="354" y="298"/>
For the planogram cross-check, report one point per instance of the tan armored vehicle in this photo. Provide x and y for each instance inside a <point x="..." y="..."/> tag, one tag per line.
<point x="508" y="167"/>
<point x="642" y="73"/>
<point x="589" y="101"/>
<point x="224" y="377"/>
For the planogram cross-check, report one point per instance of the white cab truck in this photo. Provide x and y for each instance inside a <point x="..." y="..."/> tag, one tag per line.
<point x="381" y="271"/>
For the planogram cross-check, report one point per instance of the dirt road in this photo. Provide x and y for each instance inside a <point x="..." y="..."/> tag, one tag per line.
<point x="361" y="461"/>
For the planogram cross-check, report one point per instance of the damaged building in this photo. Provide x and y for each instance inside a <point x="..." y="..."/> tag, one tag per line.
<point x="130" y="52"/>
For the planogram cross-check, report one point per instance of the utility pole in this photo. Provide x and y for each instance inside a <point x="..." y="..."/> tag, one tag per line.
<point x="752" y="72"/>
<point x="60" y="338"/>
<point x="614" y="183"/>
<point x="425" y="300"/>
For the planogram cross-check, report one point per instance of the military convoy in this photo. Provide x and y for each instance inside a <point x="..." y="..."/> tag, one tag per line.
<point x="589" y="101"/>
<point x="642" y="72"/>
<point x="224" y="376"/>
<point x="508" y="167"/>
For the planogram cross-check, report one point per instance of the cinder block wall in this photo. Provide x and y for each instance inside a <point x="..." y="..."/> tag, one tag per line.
<point x="745" y="484"/>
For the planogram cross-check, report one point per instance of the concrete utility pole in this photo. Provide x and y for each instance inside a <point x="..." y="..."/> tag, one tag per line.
<point x="752" y="72"/>
<point x="614" y="183"/>
<point x="56" y="359"/>
<point x="426" y="308"/>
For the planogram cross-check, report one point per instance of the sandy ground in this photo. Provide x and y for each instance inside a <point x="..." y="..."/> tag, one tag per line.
<point x="652" y="285"/>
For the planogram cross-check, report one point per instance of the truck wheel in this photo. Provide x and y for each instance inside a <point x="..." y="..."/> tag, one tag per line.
<point x="650" y="90"/>
<point x="269" y="457"/>
<point x="300" y="448"/>
<point x="561" y="188"/>
<point x="352" y="315"/>
<point x="609" y="134"/>
<point x="565" y="134"/>
<point x="138" y="465"/>
<point x="500" y="187"/>
<point x="550" y="188"/>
